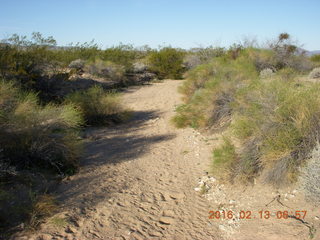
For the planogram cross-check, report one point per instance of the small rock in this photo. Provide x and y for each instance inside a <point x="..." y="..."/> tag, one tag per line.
<point x="212" y="179"/>
<point x="78" y="223"/>
<point x="165" y="196"/>
<point x="95" y="233"/>
<point x="168" y="213"/>
<point x="71" y="229"/>
<point x="155" y="234"/>
<point x="166" y="220"/>
<point x="123" y="204"/>
<point x="232" y="202"/>
<point x="222" y="228"/>
<point x="316" y="218"/>
<point x="177" y="195"/>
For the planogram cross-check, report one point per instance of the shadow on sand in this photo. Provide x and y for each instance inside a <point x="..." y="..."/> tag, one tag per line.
<point x="100" y="174"/>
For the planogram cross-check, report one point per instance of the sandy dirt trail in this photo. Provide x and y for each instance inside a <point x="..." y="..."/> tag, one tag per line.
<point x="137" y="180"/>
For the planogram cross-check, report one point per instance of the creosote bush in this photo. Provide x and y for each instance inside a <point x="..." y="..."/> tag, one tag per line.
<point x="315" y="58"/>
<point x="167" y="63"/>
<point x="98" y="106"/>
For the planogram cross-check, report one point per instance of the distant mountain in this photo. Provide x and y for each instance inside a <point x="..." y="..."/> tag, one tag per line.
<point x="310" y="53"/>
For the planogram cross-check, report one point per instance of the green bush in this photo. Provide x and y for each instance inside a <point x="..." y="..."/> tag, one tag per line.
<point x="315" y="58"/>
<point x="274" y="119"/>
<point x="124" y="55"/>
<point x="37" y="136"/>
<point x="167" y="63"/>
<point x="26" y="60"/>
<point x="224" y="157"/>
<point x="99" y="107"/>
<point x="209" y="91"/>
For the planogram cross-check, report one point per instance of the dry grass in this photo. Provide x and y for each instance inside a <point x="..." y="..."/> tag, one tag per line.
<point x="275" y="119"/>
<point x="43" y="206"/>
<point x="99" y="107"/>
<point x="32" y="135"/>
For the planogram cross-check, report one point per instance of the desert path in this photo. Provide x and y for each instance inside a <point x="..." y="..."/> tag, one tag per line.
<point x="137" y="179"/>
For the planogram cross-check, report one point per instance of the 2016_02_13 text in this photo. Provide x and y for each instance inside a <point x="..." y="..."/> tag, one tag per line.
<point x="262" y="214"/>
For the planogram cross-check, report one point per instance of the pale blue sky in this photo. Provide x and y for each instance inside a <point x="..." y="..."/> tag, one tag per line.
<point x="180" y="23"/>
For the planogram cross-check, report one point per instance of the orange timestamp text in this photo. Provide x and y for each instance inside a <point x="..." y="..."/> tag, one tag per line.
<point x="262" y="214"/>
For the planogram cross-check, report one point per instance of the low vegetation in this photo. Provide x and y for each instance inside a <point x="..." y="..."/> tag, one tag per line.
<point x="98" y="106"/>
<point x="49" y="93"/>
<point x="167" y="62"/>
<point x="270" y="114"/>
<point x="32" y="135"/>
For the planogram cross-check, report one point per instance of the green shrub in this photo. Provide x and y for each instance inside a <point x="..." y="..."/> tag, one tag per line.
<point x="26" y="60"/>
<point x="209" y="90"/>
<point x="35" y="136"/>
<point x="167" y="62"/>
<point x="224" y="158"/>
<point x="274" y="119"/>
<point x="124" y="55"/>
<point x="315" y="58"/>
<point x="99" y="107"/>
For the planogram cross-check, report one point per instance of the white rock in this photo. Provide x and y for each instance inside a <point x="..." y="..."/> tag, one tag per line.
<point x="212" y="179"/>
<point x="222" y="227"/>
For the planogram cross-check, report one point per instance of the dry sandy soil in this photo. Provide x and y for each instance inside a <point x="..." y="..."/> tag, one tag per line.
<point x="138" y="180"/>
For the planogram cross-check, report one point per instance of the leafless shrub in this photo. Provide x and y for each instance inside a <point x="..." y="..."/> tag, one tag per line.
<point x="266" y="73"/>
<point x="222" y="111"/>
<point x="78" y="64"/>
<point x="315" y="73"/>
<point x="191" y="61"/>
<point x="277" y="174"/>
<point x="139" y="67"/>
<point x="109" y="70"/>
<point x="249" y="163"/>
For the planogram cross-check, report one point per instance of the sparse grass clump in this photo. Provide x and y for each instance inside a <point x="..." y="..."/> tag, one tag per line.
<point x="209" y="91"/>
<point x="42" y="207"/>
<point x="98" y="106"/>
<point x="274" y="119"/>
<point x="37" y="136"/>
<point x="224" y="157"/>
